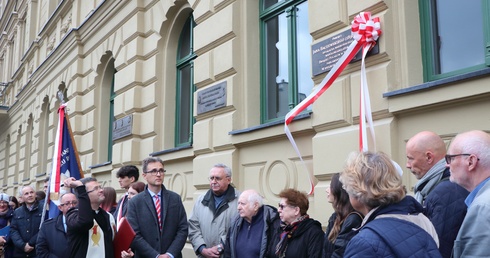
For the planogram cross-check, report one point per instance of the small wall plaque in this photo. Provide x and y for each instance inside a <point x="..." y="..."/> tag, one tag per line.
<point x="122" y="127"/>
<point x="211" y="98"/>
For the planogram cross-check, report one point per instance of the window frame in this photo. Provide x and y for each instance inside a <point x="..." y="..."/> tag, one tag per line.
<point x="182" y="63"/>
<point x="271" y="12"/>
<point x="428" y="44"/>
<point x="110" y="142"/>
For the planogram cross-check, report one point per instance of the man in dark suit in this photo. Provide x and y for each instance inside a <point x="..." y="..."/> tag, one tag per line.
<point x="52" y="239"/>
<point x="158" y="234"/>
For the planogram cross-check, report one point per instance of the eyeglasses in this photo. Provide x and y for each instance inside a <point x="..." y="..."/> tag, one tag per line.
<point x="155" y="171"/>
<point x="97" y="188"/>
<point x="282" y="206"/>
<point x="450" y="158"/>
<point x="217" y="178"/>
<point x="74" y="203"/>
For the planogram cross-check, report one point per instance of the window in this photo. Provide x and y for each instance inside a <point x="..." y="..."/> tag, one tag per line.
<point x="110" y="142"/>
<point x="285" y="56"/>
<point x="455" y="35"/>
<point x="185" y="86"/>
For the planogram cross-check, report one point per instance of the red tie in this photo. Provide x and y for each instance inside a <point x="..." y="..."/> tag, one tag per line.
<point x="157" y="206"/>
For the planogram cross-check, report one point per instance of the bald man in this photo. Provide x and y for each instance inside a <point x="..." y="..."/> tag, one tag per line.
<point x="469" y="161"/>
<point x="251" y="231"/>
<point x="443" y="201"/>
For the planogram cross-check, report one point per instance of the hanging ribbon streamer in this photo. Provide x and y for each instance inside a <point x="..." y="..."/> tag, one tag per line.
<point x="365" y="32"/>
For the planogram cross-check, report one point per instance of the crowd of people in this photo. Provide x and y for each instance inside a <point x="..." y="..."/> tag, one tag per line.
<point x="373" y="214"/>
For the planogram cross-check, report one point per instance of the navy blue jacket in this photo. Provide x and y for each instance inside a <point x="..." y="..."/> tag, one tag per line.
<point x="445" y="208"/>
<point x="393" y="237"/>
<point x="52" y="240"/>
<point x="24" y="228"/>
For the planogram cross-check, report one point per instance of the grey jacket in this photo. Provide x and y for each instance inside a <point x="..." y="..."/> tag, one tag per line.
<point x="474" y="233"/>
<point x="208" y="226"/>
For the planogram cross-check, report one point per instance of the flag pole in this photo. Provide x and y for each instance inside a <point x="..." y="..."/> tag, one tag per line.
<point x="46" y="199"/>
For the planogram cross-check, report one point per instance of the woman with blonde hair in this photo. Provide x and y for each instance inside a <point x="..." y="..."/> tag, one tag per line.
<point x="394" y="225"/>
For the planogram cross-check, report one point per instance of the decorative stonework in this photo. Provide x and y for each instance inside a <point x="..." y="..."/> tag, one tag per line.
<point x="65" y="26"/>
<point x="51" y="42"/>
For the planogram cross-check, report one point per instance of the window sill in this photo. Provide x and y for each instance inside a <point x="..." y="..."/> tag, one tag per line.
<point x="269" y="124"/>
<point x="162" y="152"/>
<point x="100" y="165"/>
<point x="438" y="83"/>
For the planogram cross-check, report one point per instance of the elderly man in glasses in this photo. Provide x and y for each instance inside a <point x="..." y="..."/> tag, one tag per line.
<point x="212" y="214"/>
<point x="442" y="200"/>
<point x="469" y="160"/>
<point x="52" y="238"/>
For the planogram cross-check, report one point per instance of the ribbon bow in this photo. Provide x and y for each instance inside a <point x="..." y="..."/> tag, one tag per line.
<point x="365" y="29"/>
<point x="365" y="32"/>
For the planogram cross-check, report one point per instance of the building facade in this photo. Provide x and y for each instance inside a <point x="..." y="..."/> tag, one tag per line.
<point x="199" y="82"/>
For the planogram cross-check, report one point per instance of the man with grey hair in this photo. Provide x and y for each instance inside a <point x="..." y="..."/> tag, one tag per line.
<point x="251" y="232"/>
<point x="469" y="161"/>
<point x="25" y="224"/>
<point x="52" y="240"/>
<point x="212" y="214"/>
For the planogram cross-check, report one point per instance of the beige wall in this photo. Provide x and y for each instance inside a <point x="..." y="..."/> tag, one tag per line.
<point x="140" y="38"/>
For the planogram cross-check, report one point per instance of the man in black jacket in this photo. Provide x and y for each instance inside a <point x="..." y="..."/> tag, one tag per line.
<point x="443" y="201"/>
<point x="52" y="240"/>
<point x="25" y="224"/>
<point x="90" y="228"/>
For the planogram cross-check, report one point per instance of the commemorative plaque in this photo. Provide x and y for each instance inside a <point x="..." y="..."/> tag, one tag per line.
<point x="325" y="54"/>
<point x="211" y="98"/>
<point x="122" y="127"/>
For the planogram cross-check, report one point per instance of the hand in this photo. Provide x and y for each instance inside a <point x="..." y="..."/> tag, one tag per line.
<point x="127" y="254"/>
<point x="2" y="240"/>
<point x="72" y="182"/>
<point x="164" y="256"/>
<point x="28" y="248"/>
<point x="211" y="252"/>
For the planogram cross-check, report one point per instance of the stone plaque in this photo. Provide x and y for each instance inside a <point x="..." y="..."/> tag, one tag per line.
<point x="122" y="127"/>
<point x="325" y="54"/>
<point x="211" y="98"/>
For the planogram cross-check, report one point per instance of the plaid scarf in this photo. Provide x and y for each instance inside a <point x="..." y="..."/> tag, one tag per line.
<point x="288" y="231"/>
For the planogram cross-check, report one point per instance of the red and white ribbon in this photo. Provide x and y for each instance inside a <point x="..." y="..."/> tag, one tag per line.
<point x="365" y="32"/>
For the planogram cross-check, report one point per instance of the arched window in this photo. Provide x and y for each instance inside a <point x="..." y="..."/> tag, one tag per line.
<point x="185" y="86"/>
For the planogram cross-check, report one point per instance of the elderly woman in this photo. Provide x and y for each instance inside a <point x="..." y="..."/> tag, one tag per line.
<point x="249" y="234"/>
<point x="6" y="214"/>
<point x="297" y="235"/>
<point x="394" y="225"/>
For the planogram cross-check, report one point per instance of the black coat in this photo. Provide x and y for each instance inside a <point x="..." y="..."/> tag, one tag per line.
<point x="80" y="220"/>
<point x="337" y="248"/>
<point x="445" y="208"/>
<point x="52" y="240"/>
<point x="306" y="241"/>
<point x="24" y="228"/>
